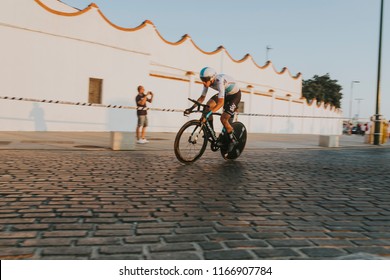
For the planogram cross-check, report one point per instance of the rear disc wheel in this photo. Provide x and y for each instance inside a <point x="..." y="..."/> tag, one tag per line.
<point x="241" y="135"/>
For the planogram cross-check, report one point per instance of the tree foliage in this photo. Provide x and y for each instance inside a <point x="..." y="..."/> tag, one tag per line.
<point x="323" y="89"/>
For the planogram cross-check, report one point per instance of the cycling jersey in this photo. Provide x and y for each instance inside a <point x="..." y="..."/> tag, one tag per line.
<point x="224" y="84"/>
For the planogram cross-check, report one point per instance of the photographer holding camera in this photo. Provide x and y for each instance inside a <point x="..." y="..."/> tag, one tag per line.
<point x="142" y="123"/>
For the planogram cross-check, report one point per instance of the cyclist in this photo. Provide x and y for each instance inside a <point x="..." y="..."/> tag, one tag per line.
<point x="228" y="97"/>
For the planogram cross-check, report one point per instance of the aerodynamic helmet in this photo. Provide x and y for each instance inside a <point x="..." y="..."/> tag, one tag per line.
<point x="207" y="74"/>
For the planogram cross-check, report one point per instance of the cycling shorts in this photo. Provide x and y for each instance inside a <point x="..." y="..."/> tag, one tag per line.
<point x="231" y="102"/>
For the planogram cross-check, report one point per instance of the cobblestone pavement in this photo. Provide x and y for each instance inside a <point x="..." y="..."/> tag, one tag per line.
<point x="268" y="204"/>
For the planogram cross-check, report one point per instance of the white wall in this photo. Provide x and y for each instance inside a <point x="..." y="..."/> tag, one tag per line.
<point x="49" y="51"/>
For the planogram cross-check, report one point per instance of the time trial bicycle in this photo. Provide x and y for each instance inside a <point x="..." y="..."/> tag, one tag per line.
<point x="191" y="140"/>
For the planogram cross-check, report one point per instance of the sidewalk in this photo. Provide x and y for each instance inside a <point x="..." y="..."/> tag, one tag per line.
<point x="158" y="141"/>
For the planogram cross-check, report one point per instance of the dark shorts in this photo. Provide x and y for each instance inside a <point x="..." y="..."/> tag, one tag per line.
<point x="231" y="102"/>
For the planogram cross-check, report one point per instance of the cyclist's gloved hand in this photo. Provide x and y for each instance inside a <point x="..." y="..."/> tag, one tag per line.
<point x="187" y="111"/>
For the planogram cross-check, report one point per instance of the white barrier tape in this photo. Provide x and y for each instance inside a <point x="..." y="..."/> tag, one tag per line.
<point x="151" y="109"/>
<point x="87" y="104"/>
<point x="289" y="116"/>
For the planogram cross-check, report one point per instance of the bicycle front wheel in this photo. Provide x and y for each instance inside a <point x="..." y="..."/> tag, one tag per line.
<point x="190" y="142"/>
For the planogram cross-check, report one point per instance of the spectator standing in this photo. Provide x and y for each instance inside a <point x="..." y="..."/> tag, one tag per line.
<point x="141" y="99"/>
<point x="364" y="128"/>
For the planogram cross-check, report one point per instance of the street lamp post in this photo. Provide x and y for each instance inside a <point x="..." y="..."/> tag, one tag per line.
<point x="358" y="110"/>
<point x="351" y="99"/>
<point x="377" y="132"/>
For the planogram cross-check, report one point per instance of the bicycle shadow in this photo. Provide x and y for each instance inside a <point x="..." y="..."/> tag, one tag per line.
<point x="214" y="190"/>
<point x="228" y="173"/>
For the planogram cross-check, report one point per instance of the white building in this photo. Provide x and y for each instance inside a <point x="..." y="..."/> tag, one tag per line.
<point x="50" y="51"/>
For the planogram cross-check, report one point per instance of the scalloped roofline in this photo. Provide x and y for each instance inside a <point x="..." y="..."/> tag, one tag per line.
<point x="184" y="38"/>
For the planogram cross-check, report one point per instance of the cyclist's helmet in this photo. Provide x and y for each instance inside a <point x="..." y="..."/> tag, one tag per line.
<point x="207" y="74"/>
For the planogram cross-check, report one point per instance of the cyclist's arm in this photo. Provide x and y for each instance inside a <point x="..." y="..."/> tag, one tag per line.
<point x="201" y="98"/>
<point x="219" y="104"/>
<point x="204" y="92"/>
<point x="221" y="95"/>
<point x="203" y="95"/>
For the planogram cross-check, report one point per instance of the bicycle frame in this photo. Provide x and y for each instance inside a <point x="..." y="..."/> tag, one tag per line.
<point x="210" y="130"/>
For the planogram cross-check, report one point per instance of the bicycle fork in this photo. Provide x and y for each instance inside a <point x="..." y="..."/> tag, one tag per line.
<point x="195" y="134"/>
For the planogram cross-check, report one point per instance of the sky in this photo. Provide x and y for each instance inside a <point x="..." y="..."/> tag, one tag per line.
<point x="314" y="37"/>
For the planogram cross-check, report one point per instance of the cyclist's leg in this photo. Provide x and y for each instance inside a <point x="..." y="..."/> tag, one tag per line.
<point x="225" y="117"/>
<point x="212" y="103"/>
<point x="230" y="106"/>
<point x="229" y="109"/>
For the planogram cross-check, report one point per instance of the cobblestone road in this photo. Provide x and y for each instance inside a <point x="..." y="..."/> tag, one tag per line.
<point x="269" y="204"/>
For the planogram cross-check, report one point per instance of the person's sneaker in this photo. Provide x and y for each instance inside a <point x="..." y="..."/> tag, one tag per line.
<point x="140" y="141"/>
<point x="145" y="141"/>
